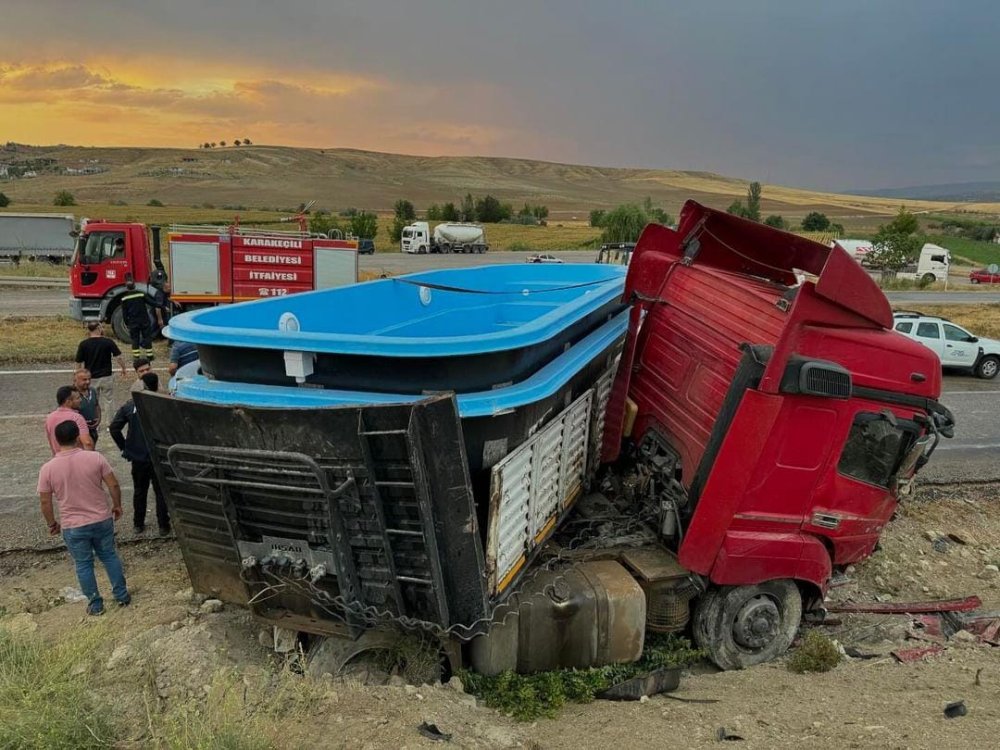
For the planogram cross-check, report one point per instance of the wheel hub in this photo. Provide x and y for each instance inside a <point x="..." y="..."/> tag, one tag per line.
<point x="989" y="368"/>
<point x="757" y="622"/>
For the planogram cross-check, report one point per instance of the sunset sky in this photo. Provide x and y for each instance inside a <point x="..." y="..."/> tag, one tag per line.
<point x="847" y="94"/>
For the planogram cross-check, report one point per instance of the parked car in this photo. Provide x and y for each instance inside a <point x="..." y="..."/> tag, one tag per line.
<point x="988" y="275"/>
<point x="543" y="258"/>
<point x="366" y="247"/>
<point x="955" y="346"/>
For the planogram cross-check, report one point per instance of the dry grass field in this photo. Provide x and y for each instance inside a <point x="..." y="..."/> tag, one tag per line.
<point x="275" y="177"/>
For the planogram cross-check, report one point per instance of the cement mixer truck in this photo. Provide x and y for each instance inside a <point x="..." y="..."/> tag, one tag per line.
<point x="446" y="238"/>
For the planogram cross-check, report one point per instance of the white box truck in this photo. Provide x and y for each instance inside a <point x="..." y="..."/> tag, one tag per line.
<point x="36" y="237"/>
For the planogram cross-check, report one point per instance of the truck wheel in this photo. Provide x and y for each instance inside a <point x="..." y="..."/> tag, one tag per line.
<point x="739" y="626"/>
<point x="118" y="326"/>
<point x="422" y="250"/>
<point x="446" y="248"/>
<point x="987" y="368"/>
<point x="927" y="279"/>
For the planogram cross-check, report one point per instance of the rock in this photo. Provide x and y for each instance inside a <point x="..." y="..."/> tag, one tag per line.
<point x="410" y="689"/>
<point x="455" y="683"/>
<point x="396" y="681"/>
<point x="176" y="625"/>
<point x="211" y="605"/>
<point x="989" y="572"/>
<point x="644" y="699"/>
<point x="199" y="599"/>
<point x="118" y="657"/>
<point x="931" y="535"/>
<point x="266" y="638"/>
<point x="184" y="595"/>
<point x="880" y="582"/>
<point x="882" y="597"/>
<point x="964" y="636"/>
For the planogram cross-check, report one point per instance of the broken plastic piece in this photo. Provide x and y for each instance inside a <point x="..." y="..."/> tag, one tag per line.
<point x="955" y="709"/>
<point x="907" y="655"/>
<point x="431" y="732"/>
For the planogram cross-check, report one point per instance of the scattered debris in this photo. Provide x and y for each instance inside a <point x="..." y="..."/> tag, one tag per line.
<point x="989" y="572"/>
<point x="955" y="709"/>
<point x="642" y="686"/>
<point x="912" y="608"/>
<point x="855" y="653"/>
<point x="211" y="605"/>
<point x="431" y="732"/>
<point x="723" y="735"/>
<point x="70" y="594"/>
<point x="907" y="655"/>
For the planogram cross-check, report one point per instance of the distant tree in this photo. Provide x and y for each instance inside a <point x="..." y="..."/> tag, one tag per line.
<point x="322" y="222"/>
<point x="4" y="200"/>
<point x="237" y="141"/>
<point x="246" y="142"/>
<point x="214" y="144"/>
<point x="837" y="230"/>
<point x="597" y="217"/>
<point x="64" y="198"/>
<point x="896" y="243"/>
<point x="222" y="144"/>
<point x="434" y="212"/>
<point x="815" y="222"/>
<point x="155" y="202"/>
<point x="776" y="221"/>
<point x="489" y="210"/>
<point x="541" y="212"/>
<point x="624" y="224"/>
<point x="364" y="224"/>
<point x="449" y="212"/>
<point x="467" y="211"/>
<point x="655" y="213"/>
<point x="404" y="213"/>
<point x="404" y="210"/>
<point x="753" y="201"/>
<point x="736" y="208"/>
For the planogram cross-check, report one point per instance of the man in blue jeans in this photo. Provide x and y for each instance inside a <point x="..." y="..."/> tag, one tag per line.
<point x="77" y="479"/>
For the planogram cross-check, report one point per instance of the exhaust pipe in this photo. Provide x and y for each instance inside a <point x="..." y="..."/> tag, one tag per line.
<point x="157" y="260"/>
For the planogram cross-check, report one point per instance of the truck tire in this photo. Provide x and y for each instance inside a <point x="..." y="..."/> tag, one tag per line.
<point x="740" y="626"/>
<point x="118" y="326"/>
<point x="446" y="248"/>
<point x="927" y="279"/>
<point x="422" y="250"/>
<point x="987" y="367"/>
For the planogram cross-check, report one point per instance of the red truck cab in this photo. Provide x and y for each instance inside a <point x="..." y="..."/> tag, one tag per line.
<point x="779" y="420"/>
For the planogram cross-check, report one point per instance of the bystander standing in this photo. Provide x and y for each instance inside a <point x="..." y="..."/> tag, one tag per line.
<point x="134" y="449"/>
<point x="68" y="400"/>
<point x="90" y="406"/>
<point x="95" y="353"/>
<point x="76" y="479"/>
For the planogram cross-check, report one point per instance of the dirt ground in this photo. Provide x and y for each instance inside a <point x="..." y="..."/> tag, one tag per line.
<point x="165" y="648"/>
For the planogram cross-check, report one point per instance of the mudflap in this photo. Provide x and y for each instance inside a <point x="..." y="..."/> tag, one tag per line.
<point x="325" y="520"/>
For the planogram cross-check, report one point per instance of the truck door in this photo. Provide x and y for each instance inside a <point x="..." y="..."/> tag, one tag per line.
<point x="929" y="334"/>
<point x="102" y="263"/>
<point x="934" y="262"/>
<point x="960" y="346"/>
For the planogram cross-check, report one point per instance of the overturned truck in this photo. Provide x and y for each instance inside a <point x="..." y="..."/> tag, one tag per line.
<point x="700" y="452"/>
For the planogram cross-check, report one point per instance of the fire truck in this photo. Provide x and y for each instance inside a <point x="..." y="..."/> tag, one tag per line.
<point x="206" y="265"/>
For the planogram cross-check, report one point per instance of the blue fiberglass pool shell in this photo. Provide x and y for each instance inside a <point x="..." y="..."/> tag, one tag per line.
<point x="462" y="330"/>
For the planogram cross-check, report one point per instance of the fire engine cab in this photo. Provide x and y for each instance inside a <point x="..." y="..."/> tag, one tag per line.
<point x="206" y="265"/>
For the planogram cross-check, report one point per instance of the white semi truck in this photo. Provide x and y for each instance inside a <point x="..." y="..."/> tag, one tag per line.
<point x="446" y="238"/>
<point x="36" y="237"/>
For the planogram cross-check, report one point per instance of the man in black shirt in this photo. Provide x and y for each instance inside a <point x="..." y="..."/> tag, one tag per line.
<point x="134" y="449"/>
<point x="95" y="353"/>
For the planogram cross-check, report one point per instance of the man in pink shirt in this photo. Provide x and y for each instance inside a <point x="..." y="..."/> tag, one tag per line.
<point x="77" y="479"/>
<point x="68" y="399"/>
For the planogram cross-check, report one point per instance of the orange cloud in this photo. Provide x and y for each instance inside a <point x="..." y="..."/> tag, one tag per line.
<point x="107" y="102"/>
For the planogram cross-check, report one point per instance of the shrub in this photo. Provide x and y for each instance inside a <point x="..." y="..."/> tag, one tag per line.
<point x="816" y="653"/>
<point x="4" y="201"/>
<point x="624" y="224"/>
<point x="155" y="202"/>
<point x="815" y="222"/>
<point x="64" y="198"/>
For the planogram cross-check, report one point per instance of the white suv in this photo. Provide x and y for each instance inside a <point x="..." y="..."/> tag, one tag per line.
<point x="954" y="345"/>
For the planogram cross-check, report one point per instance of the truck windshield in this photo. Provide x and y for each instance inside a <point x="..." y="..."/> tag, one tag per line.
<point x="101" y="246"/>
<point x="407" y="232"/>
<point x="876" y="448"/>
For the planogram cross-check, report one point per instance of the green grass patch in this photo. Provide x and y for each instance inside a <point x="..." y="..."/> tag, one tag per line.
<point x="528" y="697"/>
<point x="35" y="269"/>
<point x="26" y="340"/>
<point x="45" y="701"/>
<point x="816" y="653"/>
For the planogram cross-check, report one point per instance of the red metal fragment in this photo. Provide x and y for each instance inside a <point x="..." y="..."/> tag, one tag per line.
<point x="911" y="608"/>
<point x="906" y="655"/>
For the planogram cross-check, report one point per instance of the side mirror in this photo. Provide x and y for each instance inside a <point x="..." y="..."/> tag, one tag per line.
<point x="973" y="339"/>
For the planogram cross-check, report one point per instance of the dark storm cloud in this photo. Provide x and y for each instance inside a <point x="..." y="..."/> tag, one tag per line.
<point x="855" y="93"/>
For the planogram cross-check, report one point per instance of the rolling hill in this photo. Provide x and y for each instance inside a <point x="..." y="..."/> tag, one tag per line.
<point x="278" y="177"/>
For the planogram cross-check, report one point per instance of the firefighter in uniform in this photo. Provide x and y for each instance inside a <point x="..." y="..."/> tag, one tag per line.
<point x="136" y="316"/>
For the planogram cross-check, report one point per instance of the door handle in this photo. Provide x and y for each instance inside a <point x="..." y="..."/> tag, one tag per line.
<point x="948" y="345"/>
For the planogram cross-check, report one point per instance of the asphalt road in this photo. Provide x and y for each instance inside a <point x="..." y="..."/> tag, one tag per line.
<point x="26" y="396"/>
